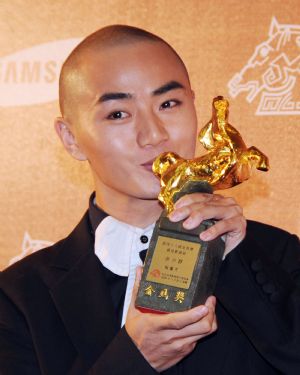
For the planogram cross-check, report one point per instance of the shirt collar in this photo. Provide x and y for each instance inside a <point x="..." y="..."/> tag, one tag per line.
<point x="96" y="215"/>
<point x="117" y="244"/>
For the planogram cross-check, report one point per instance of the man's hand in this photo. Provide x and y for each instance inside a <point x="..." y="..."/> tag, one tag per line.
<point x="195" y="208"/>
<point x="164" y="339"/>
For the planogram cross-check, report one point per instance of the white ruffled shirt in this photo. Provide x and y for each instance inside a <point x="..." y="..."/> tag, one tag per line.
<point x="117" y="245"/>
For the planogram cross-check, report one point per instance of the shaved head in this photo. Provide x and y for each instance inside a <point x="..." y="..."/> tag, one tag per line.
<point x="71" y="78"/>
<point x="125" y="98"/>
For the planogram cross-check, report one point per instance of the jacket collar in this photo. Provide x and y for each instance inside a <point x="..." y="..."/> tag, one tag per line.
<point x="80" y="294"/>
<point x="96" y="215"/>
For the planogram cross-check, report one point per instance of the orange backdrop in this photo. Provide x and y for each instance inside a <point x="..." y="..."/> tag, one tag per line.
<point x="248" y="51"/>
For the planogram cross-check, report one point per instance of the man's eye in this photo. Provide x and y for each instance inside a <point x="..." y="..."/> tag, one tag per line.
<point x="117" y="115"/>
<point x="170" y="104"/>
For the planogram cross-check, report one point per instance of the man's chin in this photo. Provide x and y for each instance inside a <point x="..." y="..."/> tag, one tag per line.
<point x="154" y="199"/>
<point x="153" y="203"/>
<point x="151" y="195"/>
<point x="152" y="187"/>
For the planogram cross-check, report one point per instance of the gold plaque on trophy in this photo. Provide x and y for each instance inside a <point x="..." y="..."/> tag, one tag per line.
<point x="173" y="262"/>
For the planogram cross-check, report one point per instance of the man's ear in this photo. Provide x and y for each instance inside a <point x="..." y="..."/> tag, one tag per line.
<point x="63" y="129"/>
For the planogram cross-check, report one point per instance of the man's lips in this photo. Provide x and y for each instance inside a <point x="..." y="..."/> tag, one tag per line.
<point x="148" y="165"/>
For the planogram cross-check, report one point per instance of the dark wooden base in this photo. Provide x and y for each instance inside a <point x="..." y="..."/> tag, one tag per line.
<point x="180" y="274"/>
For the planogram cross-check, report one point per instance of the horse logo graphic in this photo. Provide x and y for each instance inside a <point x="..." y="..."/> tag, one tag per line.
<point x="273" y="71"/>
<point x="29" y="246"/>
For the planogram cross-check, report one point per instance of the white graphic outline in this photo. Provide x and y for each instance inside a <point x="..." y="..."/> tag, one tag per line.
<point x="29" y="246"/>
<point x="273" y="71"/>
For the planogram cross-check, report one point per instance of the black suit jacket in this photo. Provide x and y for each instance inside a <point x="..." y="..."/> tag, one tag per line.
<point x="56" y="313"/>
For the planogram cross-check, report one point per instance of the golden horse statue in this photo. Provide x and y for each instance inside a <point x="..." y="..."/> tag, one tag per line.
<point x="227" y="163"/>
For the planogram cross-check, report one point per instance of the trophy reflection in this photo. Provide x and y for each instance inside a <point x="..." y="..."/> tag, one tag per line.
<point x="181" y="270"/>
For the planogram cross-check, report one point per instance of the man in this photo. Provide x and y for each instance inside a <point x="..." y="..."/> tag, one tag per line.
<point x="125" y="97"/>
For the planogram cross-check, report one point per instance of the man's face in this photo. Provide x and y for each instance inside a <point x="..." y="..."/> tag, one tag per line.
<point x="134" y="102"/>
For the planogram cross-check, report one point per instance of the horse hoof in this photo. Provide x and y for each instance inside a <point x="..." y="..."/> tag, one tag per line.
<point x="264" y="169"/>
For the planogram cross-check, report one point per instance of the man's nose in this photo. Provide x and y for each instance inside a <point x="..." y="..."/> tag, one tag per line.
<point x="151" y="130"/>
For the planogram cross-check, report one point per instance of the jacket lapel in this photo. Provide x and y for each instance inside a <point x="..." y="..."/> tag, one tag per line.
<point x="81" y="295"/>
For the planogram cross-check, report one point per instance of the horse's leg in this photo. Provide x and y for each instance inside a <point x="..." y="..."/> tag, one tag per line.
<point x="252" y="154"/>
<point x="205" y="136"/>
<point x="222" y="168"/>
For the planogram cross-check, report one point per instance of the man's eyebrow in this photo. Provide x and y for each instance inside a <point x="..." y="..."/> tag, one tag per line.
<point x="114" y="96"/>
<point x="172" y="85"/>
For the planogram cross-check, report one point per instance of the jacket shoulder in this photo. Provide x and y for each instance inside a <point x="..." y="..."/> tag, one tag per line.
<point x="32" y="264"/>
<point x="43" y="263"/>
<point x="267" y="233"/>
<point x="277" y="243"/>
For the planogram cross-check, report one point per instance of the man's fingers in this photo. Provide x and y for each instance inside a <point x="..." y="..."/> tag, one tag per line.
<point x="182" y="347"/>
<point x="189" y="199"/>
<point x="185" y="205"/>
<point x="182" y="319"/>
<point x="211" y="302"/>
<point x="214" y="207"/>
<point x="234" y="226"/>
<point x="166" y="339"/>
<point x="224" y="210"/>
<point x="138" y="276"/>
<point x="201" y="327"/>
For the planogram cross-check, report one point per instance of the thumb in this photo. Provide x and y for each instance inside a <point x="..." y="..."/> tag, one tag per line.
<point x="211" y="302"/>
<point x="138" y="276"/>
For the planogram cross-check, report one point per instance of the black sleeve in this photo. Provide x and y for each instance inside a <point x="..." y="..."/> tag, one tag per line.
<point x="122" y="357"/>
<point x="259" y="286"/>
<point x="18" y="355"/>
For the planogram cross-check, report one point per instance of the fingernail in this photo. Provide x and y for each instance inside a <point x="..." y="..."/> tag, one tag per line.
<point x="175" y="216"/>
<point x="188" y="224"/>
<point x="211" y="301"/>
<point x="205" y="236"/>
<point x="180" y="203"/>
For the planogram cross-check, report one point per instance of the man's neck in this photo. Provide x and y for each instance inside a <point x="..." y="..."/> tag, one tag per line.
<point x="137" y="212"/>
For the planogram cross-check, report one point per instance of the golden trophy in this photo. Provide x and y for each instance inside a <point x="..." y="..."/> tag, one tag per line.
<point x="181" y="270"/>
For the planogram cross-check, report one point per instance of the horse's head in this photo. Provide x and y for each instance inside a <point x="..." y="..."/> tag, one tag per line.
<point x="273" y="65"/>
<point x="164" y="161"/>
<point x="220" y="111"/>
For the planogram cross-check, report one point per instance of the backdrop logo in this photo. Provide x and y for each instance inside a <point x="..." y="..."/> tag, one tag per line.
<point x="273" y="72"/>
<point x="30" y="76"/>
<point x="29" y="246"/>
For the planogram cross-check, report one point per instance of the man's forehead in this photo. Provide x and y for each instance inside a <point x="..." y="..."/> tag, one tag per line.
<point x="107" y="61"/>
<point x="101" y="67"/>
<point x="104" y="53"/>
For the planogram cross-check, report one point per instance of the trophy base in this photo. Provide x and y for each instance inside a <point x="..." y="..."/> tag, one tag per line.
<point x="180" y="270"/>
